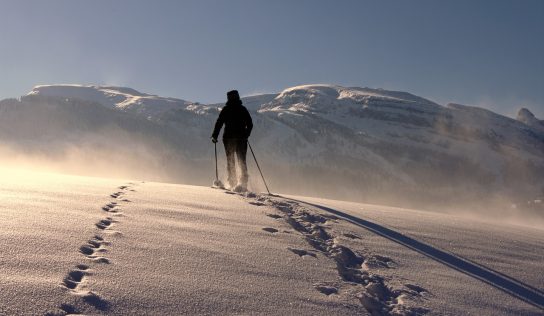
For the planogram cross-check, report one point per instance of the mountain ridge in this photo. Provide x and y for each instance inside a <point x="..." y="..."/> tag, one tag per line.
<point x="130" y="96"/>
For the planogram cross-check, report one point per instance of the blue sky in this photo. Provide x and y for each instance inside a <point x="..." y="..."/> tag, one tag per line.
<point x="484" y="53"/>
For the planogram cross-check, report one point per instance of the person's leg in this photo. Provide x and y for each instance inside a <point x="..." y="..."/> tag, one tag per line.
<point x="230" y="150"/>
<point x="241" y="151"/>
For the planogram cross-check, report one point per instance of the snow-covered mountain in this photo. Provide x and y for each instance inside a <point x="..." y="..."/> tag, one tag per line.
<point x="351" y="143"/>
<point x="120" y="98"/>
<point x="527" y="117"/>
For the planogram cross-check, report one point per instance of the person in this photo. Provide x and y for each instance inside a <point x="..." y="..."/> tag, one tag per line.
<point x="238" y="126"/>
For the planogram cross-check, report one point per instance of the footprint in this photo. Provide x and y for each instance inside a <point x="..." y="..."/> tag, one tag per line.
<point x="76" y="275"/>
<point x="69" y="284"/>
<point x="82" y="267"/>
<point x="352" y="236"/>
<point x="302" y="253"/>
<point x="326" y="289"/>
<point x="69" y="309"/>
<point x="126" y="200"/>
<point x="111" y="209"/>
<point x="92" y="246"/>
<point x="86" y="250"/>
<point x="415" y="288"/>
<point x="96" y="301"/>
<point x="109" y="206"/>
<point x="256" y="203"/>
<point x="90" y="252"/>
<point x="73" y="279"/>
<point x="116" y="195"/>
<point x="311" y="218"/>
<point x="270" y="230"/>
<point x="273" y="216"/>
<point x="379" y="290"/>
<point x="377" y="261"/>
<point x="123" y="187"/>
<point x="101" y="260"/>
<point x="103" y="224"/>
<point x="94" y="243"/>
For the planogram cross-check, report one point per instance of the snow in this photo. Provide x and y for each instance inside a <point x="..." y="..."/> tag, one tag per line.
<point x="121" y="98"/>
<point x="463" y="259"/>
<point x="95" y="246"/>
<point x="393" y="144"/>
<point x="527" y="117"/>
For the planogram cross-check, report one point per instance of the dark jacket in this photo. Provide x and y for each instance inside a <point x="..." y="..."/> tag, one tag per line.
<point x="238" y="123"/>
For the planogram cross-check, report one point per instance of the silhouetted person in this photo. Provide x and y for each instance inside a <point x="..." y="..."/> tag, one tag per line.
<point x="238" y="126"/>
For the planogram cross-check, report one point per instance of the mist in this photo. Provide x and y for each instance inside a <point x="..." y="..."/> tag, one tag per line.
<point x="299" y="155"/>
<point x="138" y="160"/>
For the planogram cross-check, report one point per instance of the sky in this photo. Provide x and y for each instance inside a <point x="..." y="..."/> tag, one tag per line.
<point x="482" y="53"/>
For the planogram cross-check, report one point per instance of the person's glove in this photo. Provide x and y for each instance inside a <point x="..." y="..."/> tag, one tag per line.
<point x="214" y="140"/>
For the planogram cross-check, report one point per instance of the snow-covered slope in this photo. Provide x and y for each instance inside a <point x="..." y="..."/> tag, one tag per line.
<point x="344" y="142"/>
<point x="93" y="246"/>
<point x="413" y="141"/>
<point x="527" y="117"/>
<point x="121" y="98"/>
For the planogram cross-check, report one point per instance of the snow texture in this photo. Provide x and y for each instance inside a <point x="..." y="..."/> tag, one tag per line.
<point x="76" y="245"/>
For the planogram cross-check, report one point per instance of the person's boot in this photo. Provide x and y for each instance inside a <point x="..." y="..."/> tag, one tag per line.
<point x="241" y="187"/>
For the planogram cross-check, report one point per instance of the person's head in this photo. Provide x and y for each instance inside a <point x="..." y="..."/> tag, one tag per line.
<point x="233" y="96"/>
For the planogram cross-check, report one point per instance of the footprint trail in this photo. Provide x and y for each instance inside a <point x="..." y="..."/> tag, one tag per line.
<point x="94" y="252"/>
<point x="359" y="273"/>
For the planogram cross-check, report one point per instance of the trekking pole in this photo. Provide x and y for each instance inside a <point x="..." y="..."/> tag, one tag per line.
<point x="216" y="173"/>
<point x="258" y="167"/>
<point x="217" y="183"/>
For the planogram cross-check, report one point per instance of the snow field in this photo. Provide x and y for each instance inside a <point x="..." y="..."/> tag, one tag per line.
<point x="75" y="245"/>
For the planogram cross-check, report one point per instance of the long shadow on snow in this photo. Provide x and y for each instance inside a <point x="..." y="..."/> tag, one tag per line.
<point x="494" y="278"/>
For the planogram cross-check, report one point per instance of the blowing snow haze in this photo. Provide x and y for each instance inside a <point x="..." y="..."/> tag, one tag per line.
<point x="352" y="143"/>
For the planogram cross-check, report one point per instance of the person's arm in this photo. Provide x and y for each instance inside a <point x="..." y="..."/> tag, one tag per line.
<point x="218" y="125"/>
<point x="249" y="123"/>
